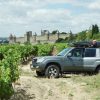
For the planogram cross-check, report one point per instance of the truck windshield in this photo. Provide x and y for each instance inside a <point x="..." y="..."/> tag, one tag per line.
<point x="63" y="52"/>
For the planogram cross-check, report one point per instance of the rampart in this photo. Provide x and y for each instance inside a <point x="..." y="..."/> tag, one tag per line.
<point x="45" y="37"/>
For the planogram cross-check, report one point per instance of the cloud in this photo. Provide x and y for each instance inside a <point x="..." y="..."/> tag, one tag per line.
<point x="95" y="5"/>
<point x="19" y="16"/>
<point x="48" y="15"/>
<point x="84" y="21"/>
<point x="59" y="1"/>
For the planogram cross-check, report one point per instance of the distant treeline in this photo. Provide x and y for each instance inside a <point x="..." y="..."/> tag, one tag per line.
<point x="86" y="35"/>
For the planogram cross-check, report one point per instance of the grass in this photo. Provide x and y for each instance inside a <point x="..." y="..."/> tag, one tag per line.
<point x="63" y="87"/>
<point x="91" y="84"/>
<point x="50" y="93"/>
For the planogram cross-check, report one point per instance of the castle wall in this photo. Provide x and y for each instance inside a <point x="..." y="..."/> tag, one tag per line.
<point x="33" y="39"/>
<point x="11" y="41"/>
<point x="47" y="38"/>
<point x="25" y="38"/>
<point x="20" y="39"/>
<point x="53" y="37"/>
<point x="63" y="36"/>
<point x="44" y="41"/>
<point x="41" y="38"/>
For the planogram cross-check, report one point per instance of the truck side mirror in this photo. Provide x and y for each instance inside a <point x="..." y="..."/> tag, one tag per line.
<point x="69" y="55"/>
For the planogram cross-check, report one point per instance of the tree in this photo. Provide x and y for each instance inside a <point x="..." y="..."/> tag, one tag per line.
<point x="95" y="29"/>
<point x="88" y="34"/>
<point x="81" y="36"/>
<point x="71" y="36"/>
<point x="60" y="40"/>
<point x="63" y="33"/>
<point x="54" y="32"/>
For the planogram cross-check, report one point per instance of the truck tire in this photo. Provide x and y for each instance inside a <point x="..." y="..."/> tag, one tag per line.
<point x="39" y="73"/>
<point x="98" y="70"/>
<point x="52" y="71"/>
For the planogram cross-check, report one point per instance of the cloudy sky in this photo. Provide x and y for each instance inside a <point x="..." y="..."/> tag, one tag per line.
<point x="19" y="16"/>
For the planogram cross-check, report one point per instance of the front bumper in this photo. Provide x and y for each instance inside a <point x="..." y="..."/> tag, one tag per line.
<point x="37" y="66"/>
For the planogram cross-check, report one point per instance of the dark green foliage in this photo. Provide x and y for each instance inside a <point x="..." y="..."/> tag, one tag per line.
<point x="96" y="36"/>
<point x="1" y="56"/>
<point x="27" y="43"/>
<point x="44" y="50"/>
<point x="54" y="32"/>
<point x="61" y="46"/>
<point x="6" y="90"/>
<point x="95" y="29"/>
<point x="71" y="36"/>
<point x="63" y="33"/>
<point x="81" y="36"/>
<point x="8" y="72"/>
<point x="10" y="58"/>
<point x="59" y="40"/>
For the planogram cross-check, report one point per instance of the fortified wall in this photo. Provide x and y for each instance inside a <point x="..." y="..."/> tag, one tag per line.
<point x="45" y="37"/>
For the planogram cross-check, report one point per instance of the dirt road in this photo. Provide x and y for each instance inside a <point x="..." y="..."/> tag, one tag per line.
<point x="31" y="87"/>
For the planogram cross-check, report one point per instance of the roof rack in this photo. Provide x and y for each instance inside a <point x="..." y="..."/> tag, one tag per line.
<point x="84" y="44"/>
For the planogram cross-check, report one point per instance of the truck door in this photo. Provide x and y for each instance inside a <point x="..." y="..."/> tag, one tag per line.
<point x="75" y="59"/>
<point x="89" y="59"/>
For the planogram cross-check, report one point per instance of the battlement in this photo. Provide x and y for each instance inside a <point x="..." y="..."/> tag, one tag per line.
<point x="45" y="37"/>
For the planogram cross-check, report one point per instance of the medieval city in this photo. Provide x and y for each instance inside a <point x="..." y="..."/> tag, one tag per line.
<point x="45" y="37"/>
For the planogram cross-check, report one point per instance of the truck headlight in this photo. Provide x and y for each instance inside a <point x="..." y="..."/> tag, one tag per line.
<point x="40" y="60"/>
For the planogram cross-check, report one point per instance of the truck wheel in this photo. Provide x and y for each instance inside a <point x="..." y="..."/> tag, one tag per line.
<point x="52" y="71"/>
<point x="98" y="70"/>
<point x="39" y="73"/>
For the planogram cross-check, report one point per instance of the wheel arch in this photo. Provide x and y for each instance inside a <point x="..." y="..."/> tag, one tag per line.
<point x="53" y="63"/>
<point x="97" y="67"/>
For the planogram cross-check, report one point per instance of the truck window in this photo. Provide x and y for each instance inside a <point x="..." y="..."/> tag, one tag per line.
<point x="77" y="52"/>
<point x="90" y="52"/>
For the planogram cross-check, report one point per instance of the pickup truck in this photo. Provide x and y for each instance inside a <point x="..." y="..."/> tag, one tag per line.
<point x="73" y="59"/>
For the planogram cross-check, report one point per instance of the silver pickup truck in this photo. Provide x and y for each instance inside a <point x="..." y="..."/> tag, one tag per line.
<point x="72" y="59"/>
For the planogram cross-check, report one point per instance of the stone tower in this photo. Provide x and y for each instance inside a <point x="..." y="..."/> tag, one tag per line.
<point x="47" y="36"/>
<point x="44" y="32"/>
<point x="28" y="36"/>
<point x="12" y="39"/>
<point x="34" y="37"/>
<point x="57" y="34"/>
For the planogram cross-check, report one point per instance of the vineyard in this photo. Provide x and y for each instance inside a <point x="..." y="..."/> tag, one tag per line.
<point x="11" y="56"/>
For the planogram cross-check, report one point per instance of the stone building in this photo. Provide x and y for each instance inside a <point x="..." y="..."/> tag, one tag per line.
<point x="45" y="37"/>
<point x="12" y="38"/>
